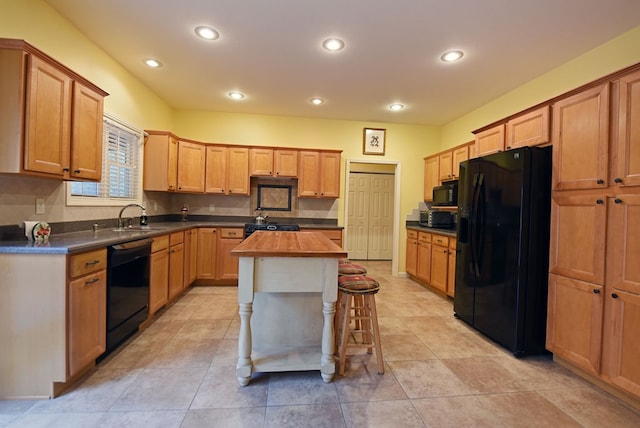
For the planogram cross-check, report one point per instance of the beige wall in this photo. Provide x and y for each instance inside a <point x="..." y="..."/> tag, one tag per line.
<point x="616" y="54"/>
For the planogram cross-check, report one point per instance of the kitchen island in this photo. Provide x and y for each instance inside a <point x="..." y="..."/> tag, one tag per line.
<point x="287" y="291"/>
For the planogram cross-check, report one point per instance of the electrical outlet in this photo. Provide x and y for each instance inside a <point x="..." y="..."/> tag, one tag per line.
<point x="155" y="206"/>
<point x="212" y="207"/>
<point x="39" y="206"/>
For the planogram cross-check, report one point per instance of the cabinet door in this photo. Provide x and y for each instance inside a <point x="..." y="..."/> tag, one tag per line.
<point x="193" y="257"/>
<point x="574" y="321"/>
<point x="191" y="167"/>
<point x="445" y="162"/>
<point x="87" y="318"/>
<point x="623" y="245"/>
<point x="439" y="267"/>
<point x="206" y="263"/>
<point x="460" y="154"/>
<point x="412" y="252"/>
<point x="423" y="268"/>
<point x="623" y="352"/>
<point x="581" y="140"/>
<point x="227" y="264"/>
<point x="627" y="169"/>
<point x="451" y="276"/>
<point x="309" y="174"/>
<point x="431" y="176"/>
<point x="216" y="170"/>
<point x="490" y="141"/>
<point x="286" y="163"/>
<point x="260" y="162"/>
<point x="578" y="228"/>
<point x="329" y="175"/>
<point x="160" y="163"/>
<point x="86" y="134"/>
<point x="531" y="129"/>
<point x="238" y="171"/>
<point x="176" y="269"/>
<point x="158" y="280"/>
<point x="48" y="119"/>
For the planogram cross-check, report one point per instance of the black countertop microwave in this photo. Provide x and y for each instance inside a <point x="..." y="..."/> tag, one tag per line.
<point x="445" y="195"/>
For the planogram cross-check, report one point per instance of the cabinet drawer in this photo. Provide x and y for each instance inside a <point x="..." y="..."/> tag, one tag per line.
<point x="424" y="237"/>
<point x="228" y="232"/>
<point x="441" y="240"/>
<point x="176" y="238"/>
<point x="160" y="243"/>
<point x="412" y="234"/>
<point x="91" y="261"/>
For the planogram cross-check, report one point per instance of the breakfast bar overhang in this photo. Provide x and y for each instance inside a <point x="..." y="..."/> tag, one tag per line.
<point x="287" y="291"/>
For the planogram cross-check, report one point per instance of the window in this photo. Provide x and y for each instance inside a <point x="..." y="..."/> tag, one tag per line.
<point x="121" y="169"/>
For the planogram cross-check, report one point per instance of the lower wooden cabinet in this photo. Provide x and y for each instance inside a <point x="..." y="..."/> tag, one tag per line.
<point x="439" y="262"/>
<point x="412" y="252"/>
<point x="227" y="264"/>
<point x="206" y="262"/>
<point x="431" y="259"/>
<point x="87" y="310"/>
<point x="423" y="269"/>
<point x="190" y="256"/>
<point x="451" y="276"/>
<point x="176" y="264"/>
<point x="334" y="234"/>
<point x="159" y="274"/>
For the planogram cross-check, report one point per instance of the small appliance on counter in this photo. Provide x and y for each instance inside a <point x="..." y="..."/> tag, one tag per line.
<point x="439" y="219"/>
<point x="446" y="195"/>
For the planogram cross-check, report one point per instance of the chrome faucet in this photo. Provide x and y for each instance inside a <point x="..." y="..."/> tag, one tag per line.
<point x="120" y="223"/>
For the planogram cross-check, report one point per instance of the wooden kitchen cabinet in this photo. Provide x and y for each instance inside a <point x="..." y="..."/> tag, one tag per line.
<point x="318" y="174"/>
<point x="626" y="167"/>
<point x="87" y="309"/>
<point x="176" y="264"/>
<point x="459" y="154"/>
<point x="431" y="176"/>
<point x="439" y="262"/>
<point x="423" y="268"/>
<point x="578" y="233"/>
<point x="207" y="244"/>
<point x="227" y="170"/>
<point x="574" y="321"/>
<point x="530" y="129"/>
<point x="445" y="166"/>
<point x="451" y="275"/>
<point x="269" y="162"/>
<point x="54" y="112"/>
<point x="160" y="171"/>
<point x="226" y="263"/>
<point x="581" y="140"/>
<point x="191" y="167"/>
<point x="190" y="256"/>
<point x="490" y="141"/>
<point x="334" y="234"/>
<point x="412" y="252"/>
<point x="159" y="274"/>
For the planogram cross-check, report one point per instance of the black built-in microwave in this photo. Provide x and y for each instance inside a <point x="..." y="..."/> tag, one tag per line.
<point x="446" y="195"/>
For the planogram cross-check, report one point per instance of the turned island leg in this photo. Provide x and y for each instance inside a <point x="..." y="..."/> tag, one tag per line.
<point x="327" y="361"/>
<point x="243" y="368"/>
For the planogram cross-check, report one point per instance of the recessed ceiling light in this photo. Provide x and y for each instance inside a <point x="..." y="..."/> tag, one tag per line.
<point x="152" y="63"/>
<point x="451" y="56"/>
<point x="333" y="44"/>
<point x="236" y="95"/>
<point x="207" y="33"/>
<point x="317" y="101"/>
<point x="396" y="107"/>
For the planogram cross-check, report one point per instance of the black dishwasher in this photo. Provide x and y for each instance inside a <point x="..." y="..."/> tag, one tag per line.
<point x="127" y="289"/>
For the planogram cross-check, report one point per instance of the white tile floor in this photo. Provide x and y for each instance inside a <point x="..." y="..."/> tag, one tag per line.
<point x="180" y="372"/>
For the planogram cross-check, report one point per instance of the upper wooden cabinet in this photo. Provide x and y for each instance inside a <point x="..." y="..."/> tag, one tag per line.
<point x="581" y="140"/>
<point x="191" y="167"/>
<point x="459" y="154"/>
<point x="50" y="117"/>
<point x="530" y="129"/>
<point x="626" y="168"/>
<point x="490" y="141"/>
<point x="431" y="176"/>
<point x="227" y="170"/>
<point x="273" y="162"/>
<point x="160" y="162"/>
<point x="318" y="174"/>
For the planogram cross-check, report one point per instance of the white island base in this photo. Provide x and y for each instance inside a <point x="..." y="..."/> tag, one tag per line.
<point x="287" y="307"/>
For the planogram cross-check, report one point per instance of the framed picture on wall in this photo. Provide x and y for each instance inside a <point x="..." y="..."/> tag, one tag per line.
<point x="373" y="141"/>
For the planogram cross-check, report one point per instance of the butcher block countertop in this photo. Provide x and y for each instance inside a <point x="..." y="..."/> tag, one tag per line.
<point x="288" y="244"/>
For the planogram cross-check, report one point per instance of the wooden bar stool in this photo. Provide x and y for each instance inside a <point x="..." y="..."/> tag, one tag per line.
<point x="357" y="303"/>
<point x="346" y="267"/>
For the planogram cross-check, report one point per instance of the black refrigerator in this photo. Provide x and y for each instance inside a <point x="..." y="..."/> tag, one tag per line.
<point x="503" y="247"/>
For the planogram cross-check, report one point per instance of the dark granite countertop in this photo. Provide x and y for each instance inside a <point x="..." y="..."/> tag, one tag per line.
<point x="416" y="226"/>
<point x="74" y="242"/>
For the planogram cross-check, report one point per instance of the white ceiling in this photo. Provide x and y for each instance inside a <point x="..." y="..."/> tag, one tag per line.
<point x="270" y="50"/>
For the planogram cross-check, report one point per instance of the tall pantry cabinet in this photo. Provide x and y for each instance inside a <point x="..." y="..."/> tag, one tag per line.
<point x="594" y="281"/>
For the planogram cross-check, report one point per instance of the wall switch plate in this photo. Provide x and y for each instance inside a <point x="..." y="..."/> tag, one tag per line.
<point x="39" y="206"/>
